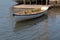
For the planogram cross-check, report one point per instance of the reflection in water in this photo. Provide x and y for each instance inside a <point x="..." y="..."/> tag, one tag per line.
<point x="54" y="24"/>
<point x="30" y="29"/>
<point x="29" y="23"/>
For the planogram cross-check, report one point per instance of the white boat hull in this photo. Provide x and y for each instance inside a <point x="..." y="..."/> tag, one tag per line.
<point x="21" y="18"/>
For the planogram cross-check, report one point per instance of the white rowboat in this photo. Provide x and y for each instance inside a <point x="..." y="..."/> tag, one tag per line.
<point x="18" y="17"/>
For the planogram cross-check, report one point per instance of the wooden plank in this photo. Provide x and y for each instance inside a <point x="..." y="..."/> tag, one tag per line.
<point x="30" y="6"/>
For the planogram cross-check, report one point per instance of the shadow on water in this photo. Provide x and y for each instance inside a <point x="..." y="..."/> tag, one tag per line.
<point x="29" y="23"/>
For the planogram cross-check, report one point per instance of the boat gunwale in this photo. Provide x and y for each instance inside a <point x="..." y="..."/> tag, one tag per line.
<point x="29" y="14"/>
<point x="32" y="14"/>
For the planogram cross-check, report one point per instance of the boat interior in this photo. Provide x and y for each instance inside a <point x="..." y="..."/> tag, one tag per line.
<point x="31" y="7"/>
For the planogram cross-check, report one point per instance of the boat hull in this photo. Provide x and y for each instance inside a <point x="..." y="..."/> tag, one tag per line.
<point x="26" y="17"/>
<point x="18" y="17"/>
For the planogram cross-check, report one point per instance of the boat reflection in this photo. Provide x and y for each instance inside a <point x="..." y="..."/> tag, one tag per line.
<point x="20" y="25"/>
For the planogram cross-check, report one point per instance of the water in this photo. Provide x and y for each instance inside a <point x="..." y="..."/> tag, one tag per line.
<point x="46" y="27"/>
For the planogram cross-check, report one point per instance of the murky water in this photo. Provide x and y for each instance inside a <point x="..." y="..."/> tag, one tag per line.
<point x="46" y="27"/>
